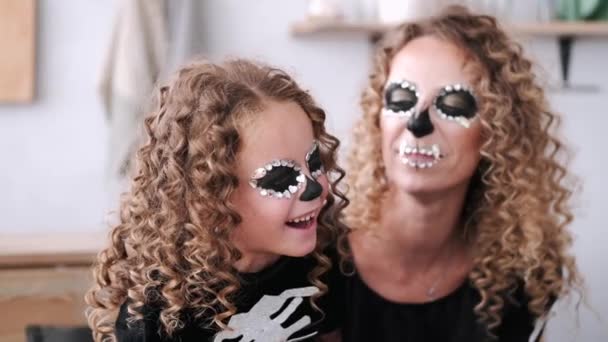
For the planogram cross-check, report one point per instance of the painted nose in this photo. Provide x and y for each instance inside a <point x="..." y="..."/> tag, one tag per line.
<point x="312" y="191"/>
<point x="420" y="124"/>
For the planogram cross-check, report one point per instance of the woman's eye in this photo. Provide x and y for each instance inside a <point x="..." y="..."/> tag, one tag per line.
<point x="457" y="104"/>
<point x="400" y="99"/>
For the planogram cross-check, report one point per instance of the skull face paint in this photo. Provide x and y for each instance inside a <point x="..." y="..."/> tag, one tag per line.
<point x="282" y="178"/>
<point x="454" y="103"/>
<point x="315" y="166"/>
<point x="279" y="179"/>
<point x="436" y="146"/>
<point x="271" y="160"/>
<point x="400" y="99"/>
<point x="313" y="159"/>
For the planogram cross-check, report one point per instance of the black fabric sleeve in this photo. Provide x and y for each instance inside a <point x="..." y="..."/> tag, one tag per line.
<point x="333" y="303"/>
<point x="142" y="330"/>
<point x="518" y="322"/>
<point x="517" y="325"/>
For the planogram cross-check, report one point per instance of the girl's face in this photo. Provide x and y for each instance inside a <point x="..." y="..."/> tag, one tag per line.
<point x="282" y="183"/>
<point x="431" y="135"/>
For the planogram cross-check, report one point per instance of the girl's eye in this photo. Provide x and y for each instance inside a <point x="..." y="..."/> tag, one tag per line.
<point x="313" y="159"/>
<point x="279" y="179"/>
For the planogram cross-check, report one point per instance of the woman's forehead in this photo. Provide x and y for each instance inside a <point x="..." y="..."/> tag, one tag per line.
<point x="430" y="63"/>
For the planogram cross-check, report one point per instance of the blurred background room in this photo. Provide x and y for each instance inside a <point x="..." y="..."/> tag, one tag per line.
<point x="76" y="75"/>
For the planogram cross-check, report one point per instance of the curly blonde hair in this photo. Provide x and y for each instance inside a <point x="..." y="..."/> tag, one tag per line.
<point x="516" y="211"/>
<point x="171" y="247"/>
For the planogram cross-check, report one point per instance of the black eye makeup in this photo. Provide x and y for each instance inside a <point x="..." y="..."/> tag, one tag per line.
<point x="400" y="98"/>
<point x="282" y="178"/>
<point x="456" y="103"/>
<point x="278" y="179"/>
<point x="313" y="159"/>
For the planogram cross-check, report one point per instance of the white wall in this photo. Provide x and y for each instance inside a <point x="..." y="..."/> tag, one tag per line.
<point x="584" y="123"/>
<point x="333" y="66"/>
<point x="52" y="152"/>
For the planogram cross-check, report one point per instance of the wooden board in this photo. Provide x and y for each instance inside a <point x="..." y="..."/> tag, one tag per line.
<point x="40" y="250"/>
<point x="43" y="279"/>
<point x="18" y="47"/>
<point x="46" y="296"/>
<point x="577" y="29"/>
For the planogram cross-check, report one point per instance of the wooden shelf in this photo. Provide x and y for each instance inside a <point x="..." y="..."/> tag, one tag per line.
<point x="39" y="250"/>
<point x="321" y="26"/>
<point x="564" y="28"/>
<point x="596" y="29"/>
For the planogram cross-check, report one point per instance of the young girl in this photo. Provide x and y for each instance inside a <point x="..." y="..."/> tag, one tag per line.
<point x="222" y="234"/>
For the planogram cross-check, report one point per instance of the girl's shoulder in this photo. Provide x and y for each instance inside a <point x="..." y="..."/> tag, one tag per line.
<point x="278" y="296"/>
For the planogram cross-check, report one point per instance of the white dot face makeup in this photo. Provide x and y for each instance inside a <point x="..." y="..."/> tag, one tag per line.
<point x="314" y="162"/>
<point x="281" y="178"/>
<point x="400" y="99"/>
<point x="431" y="132"/>
<point x="455" y="102"/>
<point x="282" y="185"/>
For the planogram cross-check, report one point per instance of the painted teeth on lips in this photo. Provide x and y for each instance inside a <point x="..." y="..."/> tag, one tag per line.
<point x="419" y="157"/>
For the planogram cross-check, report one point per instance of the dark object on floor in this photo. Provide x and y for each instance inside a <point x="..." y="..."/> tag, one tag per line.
<point x="37" y="333"/>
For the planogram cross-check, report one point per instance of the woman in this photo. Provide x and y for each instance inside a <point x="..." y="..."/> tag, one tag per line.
<point x="458" y="205"/>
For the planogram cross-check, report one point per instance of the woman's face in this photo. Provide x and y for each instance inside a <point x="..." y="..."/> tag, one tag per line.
<point x="282" y="184"/>
<point x="431" y="135"/>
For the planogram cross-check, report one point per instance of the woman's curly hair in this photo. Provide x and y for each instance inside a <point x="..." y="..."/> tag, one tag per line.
<point x="516" y="211"/>
<point x="171" y="247"/>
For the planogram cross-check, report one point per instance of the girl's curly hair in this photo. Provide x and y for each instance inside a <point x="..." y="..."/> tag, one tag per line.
<point x="516" y="211"/>
<point x="171" y="247"/>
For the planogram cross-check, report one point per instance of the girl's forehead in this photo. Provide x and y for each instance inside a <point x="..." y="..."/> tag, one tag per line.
<point x="282" y="130"/>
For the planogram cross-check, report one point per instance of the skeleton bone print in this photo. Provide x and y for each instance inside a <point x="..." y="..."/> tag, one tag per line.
<point x="257" y="324"/>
